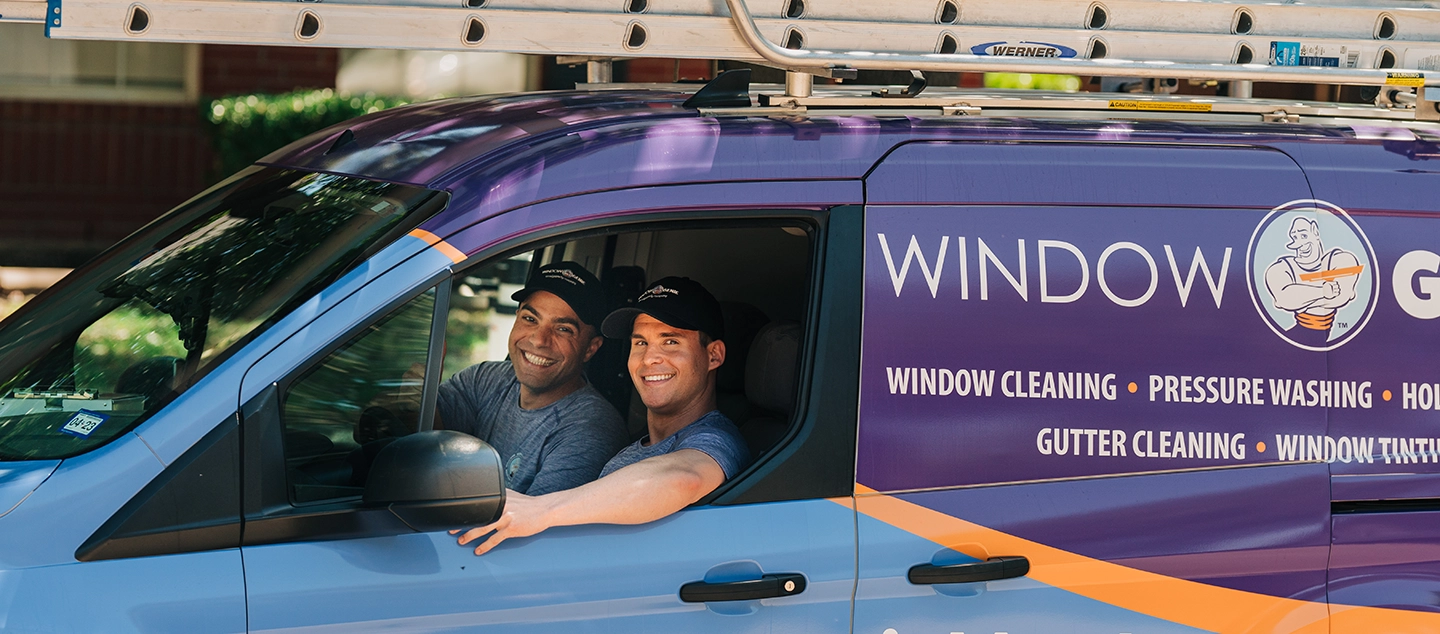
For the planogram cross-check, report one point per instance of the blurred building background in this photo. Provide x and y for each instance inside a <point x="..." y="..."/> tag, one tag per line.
<point x="98" y="138"/>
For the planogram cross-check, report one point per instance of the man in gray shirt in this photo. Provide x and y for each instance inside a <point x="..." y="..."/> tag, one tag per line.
<point x="674" y="331"/>
<point x="553" y="431"/>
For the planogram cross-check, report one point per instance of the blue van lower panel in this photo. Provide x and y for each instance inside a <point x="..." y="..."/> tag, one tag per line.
<point x="194" y="592"/>
<point x="573" y="579"/>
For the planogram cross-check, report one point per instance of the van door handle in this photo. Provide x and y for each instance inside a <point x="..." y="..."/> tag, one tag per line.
<point x="766" y="587"/>
<point x="992" y="569"/>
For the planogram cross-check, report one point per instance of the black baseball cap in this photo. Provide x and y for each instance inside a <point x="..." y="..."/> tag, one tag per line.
<point x="571" y="282"/>
<point x="678" y="301"/>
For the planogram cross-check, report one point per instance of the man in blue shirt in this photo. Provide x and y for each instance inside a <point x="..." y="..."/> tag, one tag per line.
<point x="675" y="331"/>
<point x="552" y="429"/>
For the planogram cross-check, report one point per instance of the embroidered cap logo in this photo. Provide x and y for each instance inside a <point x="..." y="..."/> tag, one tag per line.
<point x="658" y="291"/>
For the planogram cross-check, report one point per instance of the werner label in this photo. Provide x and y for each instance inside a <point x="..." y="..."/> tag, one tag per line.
<point x="1022" y="49"/>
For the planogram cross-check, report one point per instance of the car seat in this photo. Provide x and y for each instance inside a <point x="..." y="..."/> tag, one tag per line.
<point x="772" y="375"/>
<point x="742" y="322"/>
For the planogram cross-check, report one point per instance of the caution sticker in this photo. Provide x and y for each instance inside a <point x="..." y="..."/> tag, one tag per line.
<point x="1159" y="106"/>
<point x="1405" y="79"/>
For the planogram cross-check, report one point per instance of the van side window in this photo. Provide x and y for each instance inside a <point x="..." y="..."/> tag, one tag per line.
<point x="760" y="274"/>
<point x="342" y="411"/>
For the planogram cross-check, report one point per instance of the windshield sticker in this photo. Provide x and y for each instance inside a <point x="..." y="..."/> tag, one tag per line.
<point x="83" y="423"/>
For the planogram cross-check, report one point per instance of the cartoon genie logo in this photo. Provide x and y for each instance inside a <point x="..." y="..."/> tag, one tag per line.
<point x="1312" y="274"/>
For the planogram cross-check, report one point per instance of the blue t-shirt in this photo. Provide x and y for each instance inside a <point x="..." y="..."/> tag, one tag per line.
<point x="714" y="435"/>
<point x="553" y="448"/>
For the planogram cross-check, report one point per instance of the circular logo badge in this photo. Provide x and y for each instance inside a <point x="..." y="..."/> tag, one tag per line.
<point x="1312" y="274"/>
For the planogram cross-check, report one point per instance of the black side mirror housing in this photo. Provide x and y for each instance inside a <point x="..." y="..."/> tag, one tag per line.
<point x="438" y="480"/>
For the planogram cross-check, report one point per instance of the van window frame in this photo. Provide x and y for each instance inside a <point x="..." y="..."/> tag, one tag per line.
<point x="270" y="513"/>
<point x="802" y="465"/>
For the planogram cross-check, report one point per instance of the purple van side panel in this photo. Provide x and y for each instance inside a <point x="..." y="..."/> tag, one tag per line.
<point x="1386" y="560"/>
<point x="1366" y="176"/>
<point x="1260" y="530"/>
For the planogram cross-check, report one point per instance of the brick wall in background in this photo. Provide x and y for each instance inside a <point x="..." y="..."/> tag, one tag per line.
<point x="229" y="70"/>
<point x="75" y="177"/>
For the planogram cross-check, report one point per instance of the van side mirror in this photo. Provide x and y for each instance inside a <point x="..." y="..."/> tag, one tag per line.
<point x="438" y="480"/>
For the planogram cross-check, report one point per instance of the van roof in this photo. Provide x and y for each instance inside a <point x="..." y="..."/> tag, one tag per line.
<point x="492" y="152"/>
<point x="424" y="143"/>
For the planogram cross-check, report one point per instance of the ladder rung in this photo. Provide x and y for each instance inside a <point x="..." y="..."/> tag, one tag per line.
<point x="820" y="61"/>
<point x="1198" y="39"/>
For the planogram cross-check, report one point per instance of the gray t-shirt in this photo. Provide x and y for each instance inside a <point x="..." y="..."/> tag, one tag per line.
<point x="713" y="434"/>
<point x="557" y="447"/>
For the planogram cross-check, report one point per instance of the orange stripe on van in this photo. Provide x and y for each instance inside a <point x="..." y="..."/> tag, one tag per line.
<point x="456" y="255"/>
<point x="1181" y="601"/>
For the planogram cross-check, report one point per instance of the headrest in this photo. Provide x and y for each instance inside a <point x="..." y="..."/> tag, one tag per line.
<point x="742" y="322"/>
<point x="773" y="367"/>
<point x="622" y="285"/>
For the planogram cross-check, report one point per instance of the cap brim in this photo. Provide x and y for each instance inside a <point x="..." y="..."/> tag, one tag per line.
<point x="618" y="323"/>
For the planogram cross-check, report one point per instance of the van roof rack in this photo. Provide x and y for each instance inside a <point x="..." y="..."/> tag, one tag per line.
<point x="845" y="99"/>
<point x="1351" y="42"/>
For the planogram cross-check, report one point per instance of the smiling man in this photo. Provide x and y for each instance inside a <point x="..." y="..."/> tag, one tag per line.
<point x="553" y="431"/>
<point x="675" y="331"/>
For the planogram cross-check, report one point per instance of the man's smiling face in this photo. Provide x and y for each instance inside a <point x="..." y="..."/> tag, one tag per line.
<point x="670" y="366"/>
<point x="549" y="345"/>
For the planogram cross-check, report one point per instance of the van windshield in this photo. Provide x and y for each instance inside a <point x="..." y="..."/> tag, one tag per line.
<point x="127" y="333"/>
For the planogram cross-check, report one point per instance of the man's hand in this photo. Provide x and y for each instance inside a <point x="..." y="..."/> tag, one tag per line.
<point x="524" y="516"/>
<point x="642" y="492"/>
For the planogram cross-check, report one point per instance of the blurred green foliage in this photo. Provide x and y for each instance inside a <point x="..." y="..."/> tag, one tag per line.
<point x="244" y="128"/>
<point x="467" y="338"/>
<point x="1032" y="81"/>
<point x="132" y="332"/>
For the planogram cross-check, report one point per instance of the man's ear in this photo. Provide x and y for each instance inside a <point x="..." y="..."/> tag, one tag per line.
<point x="594" y="346"/>
<point x="716" y="350"/>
